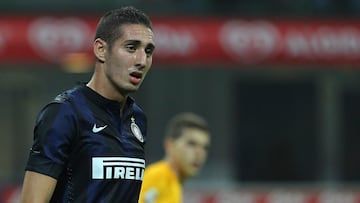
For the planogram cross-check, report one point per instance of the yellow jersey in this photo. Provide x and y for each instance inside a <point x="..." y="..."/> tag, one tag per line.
<point x="160" y="185"/>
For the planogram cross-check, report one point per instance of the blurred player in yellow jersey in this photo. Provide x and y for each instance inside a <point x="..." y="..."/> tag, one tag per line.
<point x="186" y="143"/>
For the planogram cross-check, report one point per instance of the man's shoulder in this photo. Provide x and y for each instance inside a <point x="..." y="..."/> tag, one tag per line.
<point x="157" y="175"/>
<point x="62" y="104"/>
<point x="67" y="95"/>
<point x="161" y="167"/>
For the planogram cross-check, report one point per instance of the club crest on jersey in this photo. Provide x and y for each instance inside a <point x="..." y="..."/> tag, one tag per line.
<point x="136" y="130"/>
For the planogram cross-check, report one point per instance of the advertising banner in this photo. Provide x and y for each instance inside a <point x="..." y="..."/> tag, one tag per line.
<point x="189" y="40"/>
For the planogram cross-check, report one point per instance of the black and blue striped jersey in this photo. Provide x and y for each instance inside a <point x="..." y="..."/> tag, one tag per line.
<point x="95" y="152"/>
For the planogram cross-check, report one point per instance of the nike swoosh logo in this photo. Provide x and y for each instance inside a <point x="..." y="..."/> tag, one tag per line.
<point x="96" y="129"/>
<point x="34" y="151"/>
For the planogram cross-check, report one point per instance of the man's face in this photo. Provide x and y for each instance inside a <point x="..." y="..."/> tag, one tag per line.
<point x="130" y="58"/>
<point x="190" y="151"/>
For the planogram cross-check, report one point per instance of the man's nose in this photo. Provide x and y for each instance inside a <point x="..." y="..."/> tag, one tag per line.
<point x="141" y="58"/>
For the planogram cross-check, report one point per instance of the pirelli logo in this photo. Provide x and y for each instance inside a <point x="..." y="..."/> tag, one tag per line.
<point x="118" y="168"/>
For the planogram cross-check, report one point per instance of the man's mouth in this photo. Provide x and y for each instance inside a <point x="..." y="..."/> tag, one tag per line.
<point x="196" y="164"/>
<point x="136" y="77"/>
<point x="136" y="74"/>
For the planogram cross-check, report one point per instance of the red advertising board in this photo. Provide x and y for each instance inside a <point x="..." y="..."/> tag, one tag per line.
<point x="11" y="194"/>
<point x="190" y="40"/>
<point x="273" y="195"/>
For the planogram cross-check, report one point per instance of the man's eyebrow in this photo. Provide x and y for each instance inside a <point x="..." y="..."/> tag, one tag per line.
<point x="132" y="41"/>
<point x="137" y="42"/>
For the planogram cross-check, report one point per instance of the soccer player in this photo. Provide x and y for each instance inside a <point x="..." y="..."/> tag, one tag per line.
<point x="89" y="141"/>
<point x="186" y="143"/>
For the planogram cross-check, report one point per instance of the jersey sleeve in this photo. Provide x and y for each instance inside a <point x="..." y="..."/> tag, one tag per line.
<point x="152" y="187"/>
<point x="54" y="130"/>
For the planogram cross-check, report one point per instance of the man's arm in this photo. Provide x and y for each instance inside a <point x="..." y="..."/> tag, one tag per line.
<point x="37" y="188"/>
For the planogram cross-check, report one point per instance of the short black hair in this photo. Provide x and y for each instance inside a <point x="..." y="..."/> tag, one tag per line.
<point x="108" y="28"/>
<point x="185" y="120"/>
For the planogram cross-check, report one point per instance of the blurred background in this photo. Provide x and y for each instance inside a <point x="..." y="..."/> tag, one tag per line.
<point x="278" y="81"/>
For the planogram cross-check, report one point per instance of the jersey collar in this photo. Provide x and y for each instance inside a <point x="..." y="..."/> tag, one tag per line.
<point x="102" y="101"/>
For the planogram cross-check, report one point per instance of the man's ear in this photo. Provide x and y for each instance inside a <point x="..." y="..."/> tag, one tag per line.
<point x="168" y="144"/>
<point x="99" y="49"/>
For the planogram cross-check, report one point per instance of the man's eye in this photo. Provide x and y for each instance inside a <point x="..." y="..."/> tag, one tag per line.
<point x="191" y="143"/>
<point x="149" y="51"/>
<point x="130" y="48"/>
